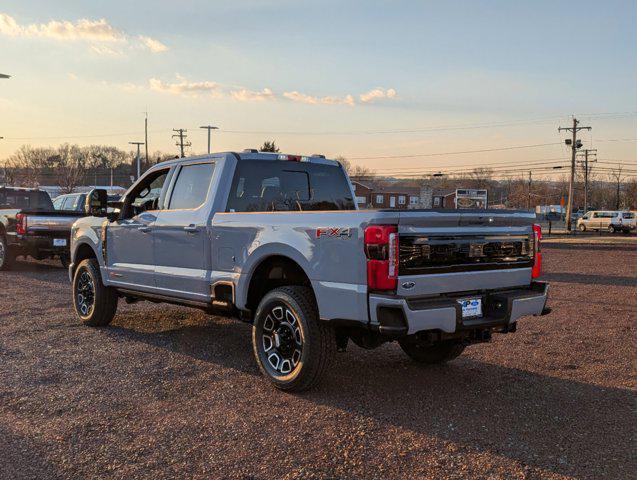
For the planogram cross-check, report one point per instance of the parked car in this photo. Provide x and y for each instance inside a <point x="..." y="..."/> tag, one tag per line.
<point x="29" y="225"/>
<point x="624" y="221"/>
<point x="610" y="220"/>
<point x="74" y="202"/>
<point x="277" y="241"/>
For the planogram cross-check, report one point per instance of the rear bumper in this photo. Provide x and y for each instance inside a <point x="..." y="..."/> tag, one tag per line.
<point x="34" y="244"/>
<point x="399" y="316"/>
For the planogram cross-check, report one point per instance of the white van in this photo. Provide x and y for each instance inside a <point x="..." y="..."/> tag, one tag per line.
<point x="611" y="220"/>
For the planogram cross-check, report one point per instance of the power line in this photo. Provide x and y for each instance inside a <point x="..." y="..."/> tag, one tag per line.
<point x="456" y="153"/>
<point x="473" y="165"/>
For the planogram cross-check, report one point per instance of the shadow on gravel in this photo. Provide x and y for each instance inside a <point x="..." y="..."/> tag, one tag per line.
<point x="55" y="273"/>
<point x="225" y="344"/>
<point x="564" y="426"/>
<point x="589" y="279"/>
<point x="21" y="458"/>
<point x="561" y="425"/>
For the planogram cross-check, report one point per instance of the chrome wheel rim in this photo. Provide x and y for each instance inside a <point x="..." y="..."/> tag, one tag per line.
<point x="282" y="340"/>
<point x="85" y="294"/>
<point x="2" y="254"/>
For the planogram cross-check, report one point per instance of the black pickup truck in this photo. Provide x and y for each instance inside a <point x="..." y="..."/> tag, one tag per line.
<point x="30" y="226"/>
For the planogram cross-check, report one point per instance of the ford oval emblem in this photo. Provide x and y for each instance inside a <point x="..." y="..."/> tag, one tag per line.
<point x="409" y="285"/>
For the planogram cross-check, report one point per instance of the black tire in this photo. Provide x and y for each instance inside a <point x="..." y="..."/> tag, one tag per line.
<point x="65" y="261"/>
<point x="440" y="352"/>
<point x="612" y="229"/>
<point x="297" y="337"/>
<point x="582" y="227"/>
<point x="6" y="258"/>
<point x="100" y="310"/>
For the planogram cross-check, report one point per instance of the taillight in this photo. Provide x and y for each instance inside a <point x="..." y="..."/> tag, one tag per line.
<point x="381" y="249"/>
<point x="537" y="251"/>
<point x="21" y="224"/>
<point x="290" y="158"/>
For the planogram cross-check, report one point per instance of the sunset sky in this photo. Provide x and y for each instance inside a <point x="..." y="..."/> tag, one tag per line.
<point x="361" y="79"/>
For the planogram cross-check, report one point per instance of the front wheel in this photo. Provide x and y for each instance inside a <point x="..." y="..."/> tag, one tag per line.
<point x="94" y="303"/>
<point x="582" y="227"/>
<point x="421" y="352"/>
<point x="612" y="229"/>
<point x="291" y="346"/>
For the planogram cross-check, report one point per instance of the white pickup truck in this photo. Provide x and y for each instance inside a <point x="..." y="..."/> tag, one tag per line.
<point x="277" y="241"/>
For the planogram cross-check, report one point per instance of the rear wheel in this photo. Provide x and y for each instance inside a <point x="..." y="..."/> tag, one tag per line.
<point x="422" y="352"/>
<point x="6" y="258"/>
<point x="291" y="346"/>
<point x="582" y="227"/>
<point x="612" y="229"/>
<point x="94" y="303"/>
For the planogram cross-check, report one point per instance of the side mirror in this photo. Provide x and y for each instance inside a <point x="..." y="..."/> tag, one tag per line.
<point x="96" y="204"/>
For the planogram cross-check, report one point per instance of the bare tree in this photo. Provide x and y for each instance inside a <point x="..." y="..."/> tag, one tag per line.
<point x="356" y="171"/>
<point x="616" y="177"/>
<point x="28" y="163"/>
<point x="631" y="194"/>
<point x="71" y="166"/>
<point x="481" y="177"/>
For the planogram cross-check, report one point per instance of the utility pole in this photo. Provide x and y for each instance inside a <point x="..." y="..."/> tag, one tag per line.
<point x="139" y="169"/>
<point x="575" y="144"/>
<point x="146" y="135"/>
<point x="181" y="133"/>
<point x="528" y="200"/>
<point x="209" y="128"/>
<point x="587" y="171"/>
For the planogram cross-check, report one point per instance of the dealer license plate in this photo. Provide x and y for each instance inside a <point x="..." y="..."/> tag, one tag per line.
<point x="471" y="307"/>
<point x="59" y="242"/>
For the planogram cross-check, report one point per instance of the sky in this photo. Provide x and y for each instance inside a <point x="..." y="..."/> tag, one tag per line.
<point x="395" y="86"/>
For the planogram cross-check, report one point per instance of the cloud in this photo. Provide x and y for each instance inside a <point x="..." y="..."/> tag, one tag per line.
<point x="377" y="94"/>
<point x="95" y="32"/>
<point x="245" y="95"/>
<point x="312" y="100"/>
<point x="105" y="50"/>
<point x="186" y="88"/>
<point x="151" y="44"/>
<point x="83" y="29"/>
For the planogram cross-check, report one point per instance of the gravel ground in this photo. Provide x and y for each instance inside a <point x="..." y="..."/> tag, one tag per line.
<point x="167" y="392"/>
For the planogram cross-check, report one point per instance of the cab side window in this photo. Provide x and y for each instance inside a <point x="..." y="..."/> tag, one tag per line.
<point x="191" y="188"/>
<point x="146" y="195"/>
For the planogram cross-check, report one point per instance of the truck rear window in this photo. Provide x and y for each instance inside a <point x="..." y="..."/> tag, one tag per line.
<point x="16" y="199"/>
<point x="279" y="186"/>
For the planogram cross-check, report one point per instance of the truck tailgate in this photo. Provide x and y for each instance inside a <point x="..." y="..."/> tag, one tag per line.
<point x="51" y="222"/>
<point x="463" y="251"/>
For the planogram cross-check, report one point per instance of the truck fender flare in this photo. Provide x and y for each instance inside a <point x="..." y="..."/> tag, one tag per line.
<point x="260" y="255"/>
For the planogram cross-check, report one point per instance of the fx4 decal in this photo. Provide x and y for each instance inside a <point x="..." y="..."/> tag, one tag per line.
<point x="339" y="232"/>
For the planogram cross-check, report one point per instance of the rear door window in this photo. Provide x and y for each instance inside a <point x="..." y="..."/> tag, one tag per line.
<point x="191" y="187"/>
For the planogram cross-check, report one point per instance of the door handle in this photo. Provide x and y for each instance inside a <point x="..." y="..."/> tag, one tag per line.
<point x="144" y="229"/>
<point x="192" y="228"/>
